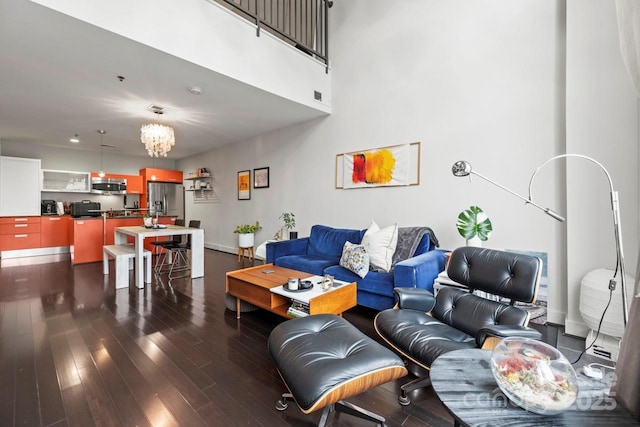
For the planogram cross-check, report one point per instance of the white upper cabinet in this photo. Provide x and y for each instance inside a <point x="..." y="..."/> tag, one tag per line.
<point x="19" y="186"/>
<point x="66" y="181"/>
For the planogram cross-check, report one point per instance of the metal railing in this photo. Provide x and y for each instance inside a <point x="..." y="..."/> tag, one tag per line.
<point x="303" y="23"/>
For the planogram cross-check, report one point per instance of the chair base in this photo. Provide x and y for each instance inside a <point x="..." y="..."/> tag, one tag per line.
<point x="340" y="406"/>
<point x="421" y="382"/>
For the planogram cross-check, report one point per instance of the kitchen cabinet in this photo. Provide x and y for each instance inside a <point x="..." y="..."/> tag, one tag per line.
<point x="19" y="186"/>
<point x="161" y="175"/>
<point x="134" y="182"/>
<point x="134" y="185"/>
<point x="65" y="181"/>
<point x="87" y="240"/>
<point x="20" y="232"/>
<point x="54" y="231"/>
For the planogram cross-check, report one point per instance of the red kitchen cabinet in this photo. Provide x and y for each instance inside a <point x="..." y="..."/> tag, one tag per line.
<point x="19" y="233"/>
<point x="161" y="175"/>
<point x="54" y="231"/>
<point x="134" y="184"/>
<point x="87" y="241"/>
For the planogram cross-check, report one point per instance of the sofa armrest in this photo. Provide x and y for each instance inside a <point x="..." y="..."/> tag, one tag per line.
<point x="415" y="299"/>
<point x="419" y="271"/>
<point x="504" y="331"/>
<point x="286" y="247"/>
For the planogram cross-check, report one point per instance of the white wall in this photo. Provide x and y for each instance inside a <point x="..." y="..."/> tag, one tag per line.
<point x="84" y="161"/>
<point x="205" y="33"/>
<point x="470" y="80"/>
<point x="602" y="122"/>
<point x="482" y="81"/>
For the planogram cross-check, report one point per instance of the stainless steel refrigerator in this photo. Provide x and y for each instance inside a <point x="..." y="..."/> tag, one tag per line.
<point x="165" y="198"/>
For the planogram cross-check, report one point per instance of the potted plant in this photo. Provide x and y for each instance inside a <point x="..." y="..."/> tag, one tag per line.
<point x="289" y="223"/>
<point x="246" y="234"/>
<point x="474" y="225"/>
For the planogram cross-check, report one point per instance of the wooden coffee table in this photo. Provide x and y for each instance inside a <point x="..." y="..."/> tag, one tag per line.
<point x="255" y="286"/>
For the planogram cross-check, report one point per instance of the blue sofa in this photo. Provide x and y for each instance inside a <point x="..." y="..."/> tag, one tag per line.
<point x="320" y="254"/>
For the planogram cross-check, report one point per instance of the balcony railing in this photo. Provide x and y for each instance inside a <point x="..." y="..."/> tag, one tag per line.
<point x="303" y="23"/>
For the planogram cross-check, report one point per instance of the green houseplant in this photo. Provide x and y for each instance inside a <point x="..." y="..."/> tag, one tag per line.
<point x="474" y="224"/>
<point x="246" y="234"/>
<point x="248" y="228"/>
<point x="289" y="223"/>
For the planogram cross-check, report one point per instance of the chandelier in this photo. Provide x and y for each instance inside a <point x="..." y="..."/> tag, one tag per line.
<point x="157" y="139"/>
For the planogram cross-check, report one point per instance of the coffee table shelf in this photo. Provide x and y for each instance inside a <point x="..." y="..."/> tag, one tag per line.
<point x="265" y="291"/>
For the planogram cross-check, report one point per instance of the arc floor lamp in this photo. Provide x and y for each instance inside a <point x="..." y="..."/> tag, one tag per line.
<point x="463" y="168"/>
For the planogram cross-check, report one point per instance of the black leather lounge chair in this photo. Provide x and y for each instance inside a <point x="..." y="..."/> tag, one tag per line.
<point x="421" y="327"/>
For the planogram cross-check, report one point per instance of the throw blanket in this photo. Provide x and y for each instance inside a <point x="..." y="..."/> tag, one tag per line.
<point x="408" y="240"/>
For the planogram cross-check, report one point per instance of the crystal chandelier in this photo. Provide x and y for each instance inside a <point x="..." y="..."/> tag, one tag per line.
<point x="157" y="139"/>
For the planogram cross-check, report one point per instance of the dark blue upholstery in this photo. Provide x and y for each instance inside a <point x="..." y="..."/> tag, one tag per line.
<point x="320" y="254"/>
<point x="308" y="264"/>
<point x="328" y="242"/>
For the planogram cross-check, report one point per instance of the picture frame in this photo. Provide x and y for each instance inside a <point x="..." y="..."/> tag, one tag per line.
<point x="244" y="185"/>
<point x="261" y="177"/>
<point x="408" y="155"/>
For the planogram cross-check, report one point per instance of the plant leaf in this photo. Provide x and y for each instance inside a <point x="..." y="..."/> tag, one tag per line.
<point x="474" y="222"/>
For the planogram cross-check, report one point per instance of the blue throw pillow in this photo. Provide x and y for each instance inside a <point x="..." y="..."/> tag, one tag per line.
<point x="355" y="258"/>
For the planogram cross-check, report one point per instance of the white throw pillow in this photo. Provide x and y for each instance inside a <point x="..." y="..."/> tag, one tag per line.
<point x="381" y="245"/>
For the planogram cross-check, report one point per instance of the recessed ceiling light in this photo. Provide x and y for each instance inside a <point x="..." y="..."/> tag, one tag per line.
<point x="195" y="90"/>
<point x="75" y="139"/>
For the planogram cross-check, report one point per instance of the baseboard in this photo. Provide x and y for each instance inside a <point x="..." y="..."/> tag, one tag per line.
<point x="578" y="329"/>
<point x="556" y="317"/>
<point x="221" y="248"/>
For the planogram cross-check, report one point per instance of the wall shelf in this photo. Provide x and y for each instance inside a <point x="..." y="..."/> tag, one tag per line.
<point x="202" y="188"/>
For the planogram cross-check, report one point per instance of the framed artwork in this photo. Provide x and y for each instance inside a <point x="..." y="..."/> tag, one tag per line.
<point x="244" y="185"/>
<point x="261" y="178"/>
<point x="396" y="165"/>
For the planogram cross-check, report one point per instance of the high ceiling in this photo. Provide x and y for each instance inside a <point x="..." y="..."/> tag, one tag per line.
<point x="58" y="77"/>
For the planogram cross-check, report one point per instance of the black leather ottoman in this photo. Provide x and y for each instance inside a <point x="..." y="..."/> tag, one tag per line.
<point x="323" y="359"/>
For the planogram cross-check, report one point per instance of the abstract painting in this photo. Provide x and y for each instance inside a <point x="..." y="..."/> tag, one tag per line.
<point x="380" y="167"/>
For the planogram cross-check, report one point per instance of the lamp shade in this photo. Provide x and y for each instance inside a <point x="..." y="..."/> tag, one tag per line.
<point x="594" y="295"/>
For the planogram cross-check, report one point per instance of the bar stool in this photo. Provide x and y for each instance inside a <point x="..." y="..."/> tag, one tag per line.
<point x="163" y="244"/>
<point x="178" y="253"/>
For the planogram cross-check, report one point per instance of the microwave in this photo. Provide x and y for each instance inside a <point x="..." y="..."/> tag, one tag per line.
<point x="108" y="186"/>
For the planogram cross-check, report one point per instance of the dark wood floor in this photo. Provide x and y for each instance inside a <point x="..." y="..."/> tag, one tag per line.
<point x="74" y="351"/>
